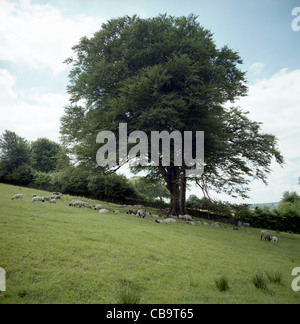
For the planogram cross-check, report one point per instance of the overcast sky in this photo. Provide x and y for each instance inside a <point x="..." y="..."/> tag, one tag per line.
<point x="37" y="36"/>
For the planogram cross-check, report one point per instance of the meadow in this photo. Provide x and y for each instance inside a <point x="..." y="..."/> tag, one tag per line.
<point x="60" y="254"/>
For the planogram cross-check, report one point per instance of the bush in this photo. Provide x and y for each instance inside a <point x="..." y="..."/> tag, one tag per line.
<point x="43" y="180"/>
<point x="112" y="186"/>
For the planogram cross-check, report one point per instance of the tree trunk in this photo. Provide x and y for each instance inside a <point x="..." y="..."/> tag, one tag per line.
<point x="174" y="188"/>
<point x="183" y="210"/>
<point x="172" y="177"/>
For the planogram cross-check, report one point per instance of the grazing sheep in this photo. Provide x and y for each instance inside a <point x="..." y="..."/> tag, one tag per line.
<point x="98" y="207"/>
<point x="170" y="220"/>
<point x="275" y="240"/>
<point x="103" y="211"/>
<point x="53" y="201"/>
<point x="215" y="224"/>
<point x="186" y="217"/>
<point x="142" y="213"/>
<point x="189" y="223"/>
<point x="34" y="195"/>
<point x="161" y="221"/>
<point x="37" y="199"/>
<point x="17" y="197"/>
<point x="265" y="235"/>
<point x="132" y="212"/>
<point x="47" y="198"/>
<point x="58" y="197"/>
<point x="75" y="203"/>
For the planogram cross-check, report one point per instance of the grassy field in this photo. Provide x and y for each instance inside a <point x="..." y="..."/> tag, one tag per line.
<point x="60" y="254"/>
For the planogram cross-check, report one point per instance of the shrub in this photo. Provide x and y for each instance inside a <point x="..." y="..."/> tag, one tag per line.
<point x="43" y="180"/>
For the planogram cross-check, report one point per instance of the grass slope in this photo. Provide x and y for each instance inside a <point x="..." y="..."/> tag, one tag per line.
<point x="59" y="254"/>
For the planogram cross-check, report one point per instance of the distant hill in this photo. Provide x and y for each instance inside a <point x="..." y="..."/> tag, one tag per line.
<point x="271" y="206"/>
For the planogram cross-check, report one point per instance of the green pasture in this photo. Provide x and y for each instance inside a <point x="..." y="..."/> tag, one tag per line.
<point x="60" y="254"/>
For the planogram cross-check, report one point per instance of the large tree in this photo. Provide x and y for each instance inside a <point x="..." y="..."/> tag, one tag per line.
<point x="44" y="154"/>
<point x="15" y="159"/>
<point x="166" y="74"/>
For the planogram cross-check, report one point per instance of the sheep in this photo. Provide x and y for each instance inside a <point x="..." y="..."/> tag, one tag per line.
<point x="132" y="212"/>
<point x="275" y="240"/>
<point x="142" y="213"/>
<point x="186" y="217"/>
<point x="103" y="211"/>
<point x="47" y="198"/>
<point x="97" y="207"/>
<point x="17" y="197"/>
<point x="265" y="235"/>
<point x="161" y="221"/>
<point x="58" y="197"/>
<point x="53" y="201"/>
<point x="37" y="199"/>
<point x="215" y="224"/>
<point x="34" y="195"/>
<point x="75" y="203"/>
<point x="189" y="223"/>
<point x="170" y="220"/>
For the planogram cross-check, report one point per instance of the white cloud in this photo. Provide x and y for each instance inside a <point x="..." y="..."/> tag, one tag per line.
<point x="39" y="36"/>
<point x="276" y="103"/>
<point x="257" y="67"/>
<point x="30" y="114"/>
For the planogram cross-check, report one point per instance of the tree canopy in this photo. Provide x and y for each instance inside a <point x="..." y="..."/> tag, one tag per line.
<point x="165" y="74"/>
<point x="44" y="153"/>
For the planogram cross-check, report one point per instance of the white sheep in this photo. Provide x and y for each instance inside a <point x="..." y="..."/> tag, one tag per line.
<point x="161" y="221"/>
<point x="170" y="220"/>
<point x="186" y="217"/>
<point x="53" y="201"/>
<point x="98" y="207"/>
<point x="37" y="199"/>
<point x="78" y="203"/>
<point x="103" y="211"/>
<point x="275" y="240"/>
<point x="17" y="197"/>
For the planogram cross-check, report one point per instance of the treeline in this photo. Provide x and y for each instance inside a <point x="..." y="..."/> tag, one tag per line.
<point x="286" y="217"/>
<point x="47" y="165"/>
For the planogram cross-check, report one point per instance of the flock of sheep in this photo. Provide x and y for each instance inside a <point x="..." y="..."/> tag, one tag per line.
<point x="138" y="212"/>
